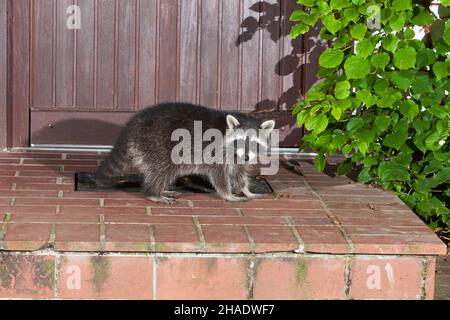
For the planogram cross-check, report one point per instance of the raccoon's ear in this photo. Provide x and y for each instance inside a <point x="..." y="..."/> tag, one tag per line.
<point x="232" y="122"/>
<point x="268" y="125"/>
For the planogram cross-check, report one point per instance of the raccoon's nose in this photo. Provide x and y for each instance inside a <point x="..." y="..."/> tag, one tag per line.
<point x="246" y="158"/>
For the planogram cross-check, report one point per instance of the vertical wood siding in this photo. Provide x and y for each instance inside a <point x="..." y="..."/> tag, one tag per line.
<point x="133" y="53"/>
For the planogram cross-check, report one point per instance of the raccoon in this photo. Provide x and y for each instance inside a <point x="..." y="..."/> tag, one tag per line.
<point x="146" y="143"/>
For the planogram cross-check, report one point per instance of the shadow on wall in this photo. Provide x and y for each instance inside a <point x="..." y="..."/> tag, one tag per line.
<point x="274" y="18"/>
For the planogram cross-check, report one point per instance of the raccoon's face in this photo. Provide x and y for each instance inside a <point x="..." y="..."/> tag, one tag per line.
<point x="247" y="140"/>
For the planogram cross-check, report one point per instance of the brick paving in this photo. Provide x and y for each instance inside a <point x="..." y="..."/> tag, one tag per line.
<point x="324" y="237"/>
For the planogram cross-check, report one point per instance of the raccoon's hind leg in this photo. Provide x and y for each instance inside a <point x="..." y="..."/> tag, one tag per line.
<point x="241" y="183"/>
<point x="220" y="179"/>
<point x="155" y="188"/>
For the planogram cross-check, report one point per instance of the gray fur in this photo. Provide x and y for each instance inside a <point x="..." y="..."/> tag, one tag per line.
<point x="145" y="143"/>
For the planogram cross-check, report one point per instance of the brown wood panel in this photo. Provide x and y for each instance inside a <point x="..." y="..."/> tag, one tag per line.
<point x="127" y="55"/>
<point x="147" y="53"/>
<point x="42" y="76"/>
<point x="250" y="56"/>
<point x="76" y="127"/>
<point x="85" y="56"/>
<point x="105" y="26"/>
<point x="229" y="57"/>
<point x="270" y="55"/>
<point x="209" y="53"/>
<point x="189" y="45"/>
<point x="4" y="112"/>
<point x="168" y="50"/>
<point x="64" y="56"/>
<point x="20" y="72"/>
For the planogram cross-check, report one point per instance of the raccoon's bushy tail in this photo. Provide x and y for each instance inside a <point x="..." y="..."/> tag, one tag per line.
<point x="113" y="165"/>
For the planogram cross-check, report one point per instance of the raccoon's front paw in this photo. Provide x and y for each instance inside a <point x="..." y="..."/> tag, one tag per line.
<point x="163" y="199"/>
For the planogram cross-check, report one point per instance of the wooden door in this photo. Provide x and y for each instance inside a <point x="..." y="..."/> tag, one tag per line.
<point x="78" y="86"/>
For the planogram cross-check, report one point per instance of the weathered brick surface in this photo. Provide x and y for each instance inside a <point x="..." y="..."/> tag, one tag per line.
<point x="26" y="236"/>
<point x="218" y="276"/>
<point x="300" y="278"/>
<point x="330" y="214"/>
<point x="201" y="278"/>
<point x="308" y="212"/>
<point x="105" y="277"/>
<point x="26" y="276"/>
<point x="389" y="278"/>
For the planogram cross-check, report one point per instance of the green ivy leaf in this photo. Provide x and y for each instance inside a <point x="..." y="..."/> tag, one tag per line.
<point x="339" y="4"/>
<point x="298" y="30"/>
<point x="347" y="149"/>
<point x="297" y="15"/>
<point x="422" y="84"/>
<point x="437" y="31"/>
<point x="405" y="58"/>
<point x="339" y="140"/>
<point x="433" y="142"/>
<point x="441" y="69"/>
<point x="369" y="161"/>
<point x="445" y="3"/>
<point x="319" y="162"/>
<point x="382" y="122"/>
<point x="380" y="60"/>
<point x="389" y="171"/>
<point x="425" y="57"/>
<point x="421" y="125"/>
<point x="366" y="97"/>
<point x="331" y="24"/>
<point x="390" y="43"/>
<point x="336" y="113"/>
<point x="331" y="58"/>
<point x="358" y="31"/>
<point x="341" y="91"/>
<point x="342" y="41"/>
<point x="423" y="18"/>
<point x="403" y="159"/>
<point x="401" y="79"/>
<point x="356" y="67"/>
<point x="351" y="14"/>
<point x="365" y="48"/>
<point x="344" y="167"/>
<point x="355" y="124"/>
<point x="307" y="3"/>
<point x="317" y="123"/>
<point x="397" y="22"/>
<point x="395" y="139"/>
<point x="409" y="109"/>
<point x="409" y="34"/>
<point x="301" y="117"/>
<point x="402" y="5"/>
<point x="364" y="175"/>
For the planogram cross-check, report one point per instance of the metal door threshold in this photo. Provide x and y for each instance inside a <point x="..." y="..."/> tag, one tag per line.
<point x="106" y="148"/>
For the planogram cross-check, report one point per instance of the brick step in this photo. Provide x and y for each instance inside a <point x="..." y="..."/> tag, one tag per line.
<point x="315" y="237"/>
<point x="49" y="275"/>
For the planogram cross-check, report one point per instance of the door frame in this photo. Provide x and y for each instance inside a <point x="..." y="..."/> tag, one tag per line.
<point x="15" y="54"/>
